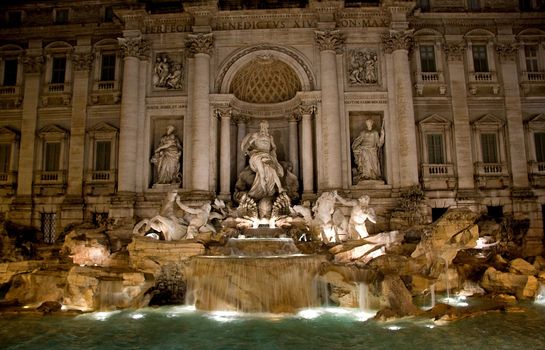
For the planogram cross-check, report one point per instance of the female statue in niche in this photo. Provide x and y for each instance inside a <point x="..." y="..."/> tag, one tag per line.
<point x="166" y="158"/>
<point x="366" y="148"/>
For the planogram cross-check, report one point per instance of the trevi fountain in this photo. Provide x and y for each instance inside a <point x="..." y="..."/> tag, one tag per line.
<point x="263" y="272"/>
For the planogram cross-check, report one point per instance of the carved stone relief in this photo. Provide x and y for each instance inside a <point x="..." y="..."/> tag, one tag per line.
<point x="362" y="65"/>
<point x="168" y="72"/>
<point x="367" y="141"/>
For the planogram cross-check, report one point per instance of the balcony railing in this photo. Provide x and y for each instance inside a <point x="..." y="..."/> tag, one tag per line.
<point x="429" y="77"/>
<point x="534" y="77"/>
<point x="106" y="85"/>
<point x="491" y="169"/>
<point x="100" y="176"/>
<point x="433" y="170"/>
<point x="9" y="90"/>
<point x="482" y="77"/>
<point x="50" y="177"/>
<point x="8" y="178"/>
<point x="537" y="168"/>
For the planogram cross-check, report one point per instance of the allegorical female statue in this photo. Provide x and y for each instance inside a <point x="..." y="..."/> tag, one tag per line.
<point x="366" y="148"/>
<point x="166" y="158"/>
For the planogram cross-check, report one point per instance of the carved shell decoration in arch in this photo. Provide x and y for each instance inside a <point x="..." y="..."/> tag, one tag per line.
<point x="265" y="79"/>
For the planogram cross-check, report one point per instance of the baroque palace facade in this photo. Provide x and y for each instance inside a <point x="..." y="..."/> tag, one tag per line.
<point x="448" y="95"/>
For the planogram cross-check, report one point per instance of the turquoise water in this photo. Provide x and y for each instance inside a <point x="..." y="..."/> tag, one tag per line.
<point x="181" y="328"/>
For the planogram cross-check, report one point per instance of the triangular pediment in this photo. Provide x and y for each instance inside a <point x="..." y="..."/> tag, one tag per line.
<point x="435" y="119"/>
<point x="52" y="129"/>
<point x="103" y="127"/>
<point x="537" y="122"/>
<point x="8" y="134"/>
<point x="488" y="119"/>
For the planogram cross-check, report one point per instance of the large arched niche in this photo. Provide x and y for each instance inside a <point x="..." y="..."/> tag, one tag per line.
<point x="244" y="58"/>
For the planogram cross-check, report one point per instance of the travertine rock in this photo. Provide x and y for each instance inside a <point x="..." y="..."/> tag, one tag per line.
<point x="8" y="270"/>
<point x="522" y="267"/>
<point x="495" y="281"/>
<point x="530" y="289"/>
<point x="37" y="287"/>
<point x="539" y="263"/>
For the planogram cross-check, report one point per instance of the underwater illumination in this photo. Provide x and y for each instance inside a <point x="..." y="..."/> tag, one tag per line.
<point x="224" y="316"/>
<point x="101" y="315"/>
<point x="394" y="328"/>
<point x="459" y="301"/>
<point x="137" y="316"/>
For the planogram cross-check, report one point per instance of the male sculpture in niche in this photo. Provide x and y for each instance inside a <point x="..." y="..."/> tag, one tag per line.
<point x="366" y="148"/>
<point x="166" y="158"/>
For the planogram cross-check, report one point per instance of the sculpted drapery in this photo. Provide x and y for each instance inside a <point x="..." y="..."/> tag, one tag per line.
<point x="167" y="158"/>
<point x="366" y="149"/>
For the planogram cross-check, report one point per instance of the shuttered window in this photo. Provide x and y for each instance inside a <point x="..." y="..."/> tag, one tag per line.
<point x="427" y="58"/>
<point x="489" y="148"/>
<point x="480" y="59"/>
<point x="435" y="149"/>
<point x="539" y="141"/>
<point x="5" y="156"/>
<point x="52" y="156"/>
<point x="102" y="155"/>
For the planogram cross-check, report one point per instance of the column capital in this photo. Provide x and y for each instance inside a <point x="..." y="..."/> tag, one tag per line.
<point x="507" y="51"/>
<point x="305" y="109"/>
<point x="397" y="40"/>
<point x="82" y="61"/>
<point x="455" y="50"/>
<point x="223" y="112"/>
<point x="241" y="119"/>
<point x="33" y="64"/>
<point x="200" y="43"/>
<point x="295" y="117"/>
<point x="329" y="39"/>
<point x="134" y="47"/>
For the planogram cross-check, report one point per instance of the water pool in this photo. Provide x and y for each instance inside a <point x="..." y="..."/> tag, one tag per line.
<point x="183" y="328"/>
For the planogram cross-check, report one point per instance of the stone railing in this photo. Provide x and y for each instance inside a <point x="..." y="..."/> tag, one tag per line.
<point x="429" y="77"/>
<point x="432" y="170"/>
<point x="538" y="77"/>
<point x="58" y="88"/>
<point x="8" y="178"/>
<point x="536" y="167"/>
<point x="105" y="85"/>
<point x="482" y="77"/>
<point x="9" y="90"/>
<point x="50" y="177"/>
<point x="100" y="176"/>
<point x="491" y="169"/>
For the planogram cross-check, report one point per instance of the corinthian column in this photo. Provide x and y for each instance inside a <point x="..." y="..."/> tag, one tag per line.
<point x="200" y="46"/>
<point x="306" y="151"/>
<point x="294" y="142"/>
<point x="330" y="43"/>
<point x="462" y="132"/>
<point x="398" y="44"/>
<point x="225" y="151"/>
<point x="132" y="48"/>
<point x="513" y="112"/>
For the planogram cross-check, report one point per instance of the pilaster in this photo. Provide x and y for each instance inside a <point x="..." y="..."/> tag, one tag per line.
<point x="307" y="112"/>
<point x="330" y="43"/>
<point x="224" y="114"/>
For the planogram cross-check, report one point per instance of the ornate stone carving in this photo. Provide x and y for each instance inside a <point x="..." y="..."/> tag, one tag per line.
<point x="307" y="109"/>
<point x="167" y="73"/>
<point x="223" y="112"/>
<point x="33" y="64"/>
<point x="241" y="119"/>
<point x="507" y="51"/>
<point x="455" y="51"/>
<point x="329" y="40"/>
<point x="397" y="40"/>
<point x="134" y="47"/>
<point x="200" y="43"/>
<point x="82" y="61"/>
<point x="362" y="67"/>
<point x="294" y="117"/>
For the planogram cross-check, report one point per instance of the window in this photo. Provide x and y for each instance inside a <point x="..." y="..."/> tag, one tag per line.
<point x="52" y="152"/>
<point x="10" y="72"/>
<point x="480" y="61"/>
<point x="539" y="143"/>
<point x="5" y="157"/>
<point x="436" y="154"/>
<point x="61" y="16"/>
<point x="58" y="70"/>
<point x="15" y="18"/>
<point x="107" y="67"/>
<point x="530" y="52"/>
<point x="474" y="4"/>
<point x="424" y="5"/>
<point x="427" y="58"/>
<point x="489" y="148"/>
<point x="49" y="227"/>
<point x="108" y="14"/>
<point x="102" y="155"/>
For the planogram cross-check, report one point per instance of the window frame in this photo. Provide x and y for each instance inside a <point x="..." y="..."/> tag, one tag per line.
<point x="106" y="47"/>
<point x="101" y="132"/>
<point x="489" y="124"/>
<point x="10" y="136"/>
<point x="53" y="133"/>
<point x="56" y="19"/>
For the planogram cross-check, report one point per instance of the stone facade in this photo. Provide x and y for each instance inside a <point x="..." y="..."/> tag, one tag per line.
<point x="88" y="89"/>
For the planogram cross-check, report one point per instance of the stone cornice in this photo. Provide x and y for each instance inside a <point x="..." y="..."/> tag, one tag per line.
<point x="329" y="40"/>
<point x="397" y="40"/>
<point x="200" y="43"/>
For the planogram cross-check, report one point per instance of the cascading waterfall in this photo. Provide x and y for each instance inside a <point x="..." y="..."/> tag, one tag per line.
<point x="540" y="296"/>
<point x="363" y="296"/>
<point x="254" y="284"/>
<point x="447" y="282"/>
<point x="432" y="295"/>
